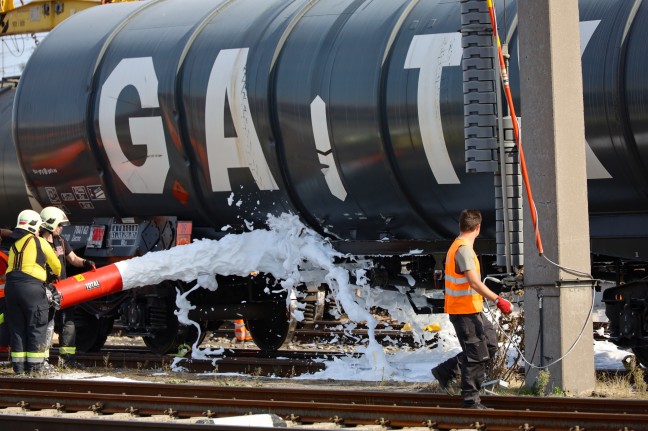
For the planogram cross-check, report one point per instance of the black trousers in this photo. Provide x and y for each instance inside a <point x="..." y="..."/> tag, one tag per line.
<point x="478" y="341"/>
<point x="27" y="315"/>
<point x="64" y="326"/>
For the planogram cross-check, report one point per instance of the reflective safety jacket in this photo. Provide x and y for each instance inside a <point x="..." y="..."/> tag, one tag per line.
<point x="460" y="298"/>
<point x="30" y="253"/>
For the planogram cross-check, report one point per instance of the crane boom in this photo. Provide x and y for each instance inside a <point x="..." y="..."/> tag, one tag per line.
<point x="40" y="15"/>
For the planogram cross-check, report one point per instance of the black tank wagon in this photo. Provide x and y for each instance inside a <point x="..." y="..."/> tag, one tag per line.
<point x="348" y="113"/>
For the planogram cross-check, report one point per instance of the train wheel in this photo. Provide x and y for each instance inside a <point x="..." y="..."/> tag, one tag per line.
<point x="641" y="353"/>
<point x="91" y="332"/>
<point x="168" y="335"/>
<point x="270" y="333"/>
<point x="171" y="340"/>
<point x="174" y="336"/>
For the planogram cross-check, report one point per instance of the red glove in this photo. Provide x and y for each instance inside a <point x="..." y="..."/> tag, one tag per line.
<point x="503" y="305"/>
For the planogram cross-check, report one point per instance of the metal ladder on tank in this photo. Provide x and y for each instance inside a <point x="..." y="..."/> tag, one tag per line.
<point x="489" y="140"/>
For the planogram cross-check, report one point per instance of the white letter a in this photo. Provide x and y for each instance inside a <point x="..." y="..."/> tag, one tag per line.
<point x="243" y="151"/>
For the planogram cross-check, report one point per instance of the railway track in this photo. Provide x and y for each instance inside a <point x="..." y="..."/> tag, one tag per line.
<point x="333" y="331"/>
<point x="343" y="337"/>
<point x="243" y="361"/>
<point x="284" y="363"/>
<point x="313" y="406"/>
<point x="253" y="362"/>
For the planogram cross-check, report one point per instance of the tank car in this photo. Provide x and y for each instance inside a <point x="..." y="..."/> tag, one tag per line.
<point x="142" y="121"/>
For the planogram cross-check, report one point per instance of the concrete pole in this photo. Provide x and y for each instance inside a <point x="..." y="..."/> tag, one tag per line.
<point x="556" y="302"/>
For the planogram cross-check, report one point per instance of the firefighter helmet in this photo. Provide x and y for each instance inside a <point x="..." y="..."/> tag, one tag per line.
<point x="52" y="218"/>
<point x="29" y="220"/>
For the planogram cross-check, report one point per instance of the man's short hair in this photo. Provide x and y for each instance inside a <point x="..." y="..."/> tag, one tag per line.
<point x="469" y="220"/>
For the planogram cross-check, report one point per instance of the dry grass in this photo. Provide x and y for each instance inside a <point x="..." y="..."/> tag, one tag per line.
<point x="618" y="386"/>
<point x="611" y="385"/>
<point x="630" y="385"/>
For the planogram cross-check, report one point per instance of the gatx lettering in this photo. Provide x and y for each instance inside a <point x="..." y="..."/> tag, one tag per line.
<point x="429" y="53"/>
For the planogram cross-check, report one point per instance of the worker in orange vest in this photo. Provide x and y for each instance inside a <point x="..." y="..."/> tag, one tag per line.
<point x="464" y="297"/>
<point x="240" y="331"/>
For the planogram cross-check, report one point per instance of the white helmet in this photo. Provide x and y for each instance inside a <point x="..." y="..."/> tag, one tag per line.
<point x="29" y="220"/>
<point x="52" y="218"/>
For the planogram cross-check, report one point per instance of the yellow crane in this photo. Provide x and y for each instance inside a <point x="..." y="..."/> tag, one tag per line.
<point x="23" y="17"/>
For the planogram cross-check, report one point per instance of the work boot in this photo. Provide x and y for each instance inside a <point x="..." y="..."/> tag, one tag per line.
<point x="41" y="369"/>
<point x="18" y="367"/>
<point x="476" y="406"/>
<point x="70" y="361"/>
<point x="448" y="385"/>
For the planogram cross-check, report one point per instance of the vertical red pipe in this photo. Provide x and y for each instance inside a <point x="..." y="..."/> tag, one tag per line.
<point x="516" y="127"/>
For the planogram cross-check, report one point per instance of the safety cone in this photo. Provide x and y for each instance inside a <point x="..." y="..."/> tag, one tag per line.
<point x="240" y="331"/>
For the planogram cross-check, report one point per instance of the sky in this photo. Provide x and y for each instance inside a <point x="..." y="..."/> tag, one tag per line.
<point x="14" y="53"/>
<point x="296" y="254"/>
<point x="15" y="50"/>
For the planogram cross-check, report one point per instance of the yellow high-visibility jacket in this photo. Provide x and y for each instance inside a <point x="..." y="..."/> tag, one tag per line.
<point x="24" y="256"/>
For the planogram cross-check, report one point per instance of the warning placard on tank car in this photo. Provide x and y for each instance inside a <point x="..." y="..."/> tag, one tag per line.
<point x="80" y="193"/>
<point x="53" y="195"/>
<point x="96" y="193"/>
<point x="123" y="235"/>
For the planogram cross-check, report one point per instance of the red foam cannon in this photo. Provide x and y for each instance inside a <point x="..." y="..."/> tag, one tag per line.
<point x="86" y="286"/>
<point x="89" y="285"/>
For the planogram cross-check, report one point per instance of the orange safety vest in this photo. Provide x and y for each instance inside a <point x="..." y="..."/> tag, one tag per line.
<point x="460" y="298"/>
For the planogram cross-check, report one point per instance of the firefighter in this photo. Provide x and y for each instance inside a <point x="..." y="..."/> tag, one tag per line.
<point x="25" y="293"/>
<point x="63" y="322"/>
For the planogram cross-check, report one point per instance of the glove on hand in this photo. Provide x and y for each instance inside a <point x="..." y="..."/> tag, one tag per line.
<point x="88" y="264"/>
<point x="50" y="276"/>
<point x="503" y="305"/>
<point x="53" y="296"/>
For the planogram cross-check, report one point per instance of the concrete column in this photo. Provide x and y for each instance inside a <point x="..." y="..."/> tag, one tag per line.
<point x="556" y="302"/>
